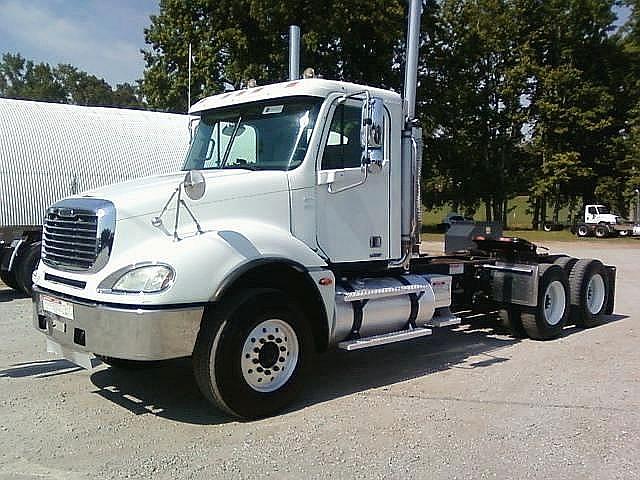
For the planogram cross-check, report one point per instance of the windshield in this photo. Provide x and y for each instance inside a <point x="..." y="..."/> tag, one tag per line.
<point x="269" y="135"/>
<point x="602" y="209"/>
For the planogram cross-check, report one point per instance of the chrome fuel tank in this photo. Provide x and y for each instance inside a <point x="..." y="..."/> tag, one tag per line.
<point x="388" y="309"/>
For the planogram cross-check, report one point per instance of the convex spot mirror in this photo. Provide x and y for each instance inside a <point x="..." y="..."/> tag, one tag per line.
<point x="372" y="130"/>
<point x="194" y="184"/>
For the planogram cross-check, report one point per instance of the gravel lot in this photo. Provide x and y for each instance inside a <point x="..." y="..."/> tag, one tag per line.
<point x="463" y="403"/>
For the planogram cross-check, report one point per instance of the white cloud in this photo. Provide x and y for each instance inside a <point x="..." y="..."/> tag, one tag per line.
<point x="80" y="40"/>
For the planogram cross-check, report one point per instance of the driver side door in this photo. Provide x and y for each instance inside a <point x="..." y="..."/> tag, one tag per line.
<point x="352" y="217"/>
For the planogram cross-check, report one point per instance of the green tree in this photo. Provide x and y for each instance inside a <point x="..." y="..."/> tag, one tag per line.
<point x="235" y="40"/>
<point x="474" y="116"/>
<point x="24" y="79"/>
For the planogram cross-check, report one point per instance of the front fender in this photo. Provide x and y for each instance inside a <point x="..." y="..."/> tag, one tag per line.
<point x="203" y="262"/>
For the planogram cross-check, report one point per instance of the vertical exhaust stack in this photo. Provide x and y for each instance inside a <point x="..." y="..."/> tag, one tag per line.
<point x="412" y="53"/>
<point x="294" y="52"/>
<point x="411" y="143"/>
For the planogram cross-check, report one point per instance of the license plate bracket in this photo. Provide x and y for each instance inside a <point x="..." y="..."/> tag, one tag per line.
<point x="59" y="308"/>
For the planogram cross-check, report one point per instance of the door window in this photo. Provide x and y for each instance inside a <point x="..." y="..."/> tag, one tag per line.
<point x="592" y="210"/>
<point x="343" y="149"/>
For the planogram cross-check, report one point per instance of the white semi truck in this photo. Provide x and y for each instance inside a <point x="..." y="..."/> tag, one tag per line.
<point x="598" y="220"/>
<point x="49" y="151"/>
<point x="295" y="229"/>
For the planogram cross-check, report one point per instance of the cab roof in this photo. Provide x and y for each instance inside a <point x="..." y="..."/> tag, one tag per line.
<point x="314" y="87"/>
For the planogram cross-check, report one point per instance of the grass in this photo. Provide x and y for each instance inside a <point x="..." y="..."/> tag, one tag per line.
<point x="539" y="236"/>
<point x="518" y="217"/>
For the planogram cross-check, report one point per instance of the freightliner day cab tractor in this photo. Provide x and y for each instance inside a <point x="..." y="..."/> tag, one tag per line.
<point x="600" y="221"/>
<point x="294" y="230"/>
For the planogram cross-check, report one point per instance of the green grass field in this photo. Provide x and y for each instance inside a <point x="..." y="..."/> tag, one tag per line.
<point x="539" y="236"/>
<point x="519" y="216"/>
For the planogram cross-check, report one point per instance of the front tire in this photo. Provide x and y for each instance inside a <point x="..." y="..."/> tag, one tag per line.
<point x="547" y="319"/>
<point x="251" y="353"/>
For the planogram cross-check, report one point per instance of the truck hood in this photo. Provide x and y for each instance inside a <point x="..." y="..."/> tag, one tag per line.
<point x="146" y="196"/>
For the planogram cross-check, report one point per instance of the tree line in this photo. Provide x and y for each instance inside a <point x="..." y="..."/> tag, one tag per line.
<point x="516" y="97"/>
<point x="24" y="79"/>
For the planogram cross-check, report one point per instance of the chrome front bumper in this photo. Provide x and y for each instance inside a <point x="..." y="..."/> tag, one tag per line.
<point x="128" y="333"/>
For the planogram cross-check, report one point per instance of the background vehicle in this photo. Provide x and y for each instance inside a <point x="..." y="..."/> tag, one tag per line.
<point x="599" y="221"/>
<point x="452" y="218"/>
<point x="49" y="151"/>
<point x="295" y="229"/>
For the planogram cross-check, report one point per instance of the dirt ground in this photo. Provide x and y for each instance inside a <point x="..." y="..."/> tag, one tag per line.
<point x="465" y="403"/>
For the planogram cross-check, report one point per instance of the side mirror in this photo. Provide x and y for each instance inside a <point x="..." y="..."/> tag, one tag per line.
<point x="372" y="129"/>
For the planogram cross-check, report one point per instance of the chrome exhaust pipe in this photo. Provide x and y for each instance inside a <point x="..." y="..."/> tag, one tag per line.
<point x="294" y="52"/>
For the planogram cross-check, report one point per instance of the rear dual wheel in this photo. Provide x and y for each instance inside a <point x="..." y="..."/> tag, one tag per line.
<point x="601" y="231"/>
<point x="547" y="319"/>
<point x="590" y="290"/>
<point x="582" y="231"/>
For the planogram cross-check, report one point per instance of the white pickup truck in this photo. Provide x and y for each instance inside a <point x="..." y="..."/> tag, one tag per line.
<point x="295" y="229"/>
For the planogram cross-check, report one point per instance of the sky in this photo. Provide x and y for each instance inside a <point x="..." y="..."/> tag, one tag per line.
<point x="103" y="38"/>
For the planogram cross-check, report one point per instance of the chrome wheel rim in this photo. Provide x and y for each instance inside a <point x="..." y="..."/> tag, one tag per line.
<point x="555" y="300"/>
<point x="269" y="355"/>
<point x="595" y="294"/>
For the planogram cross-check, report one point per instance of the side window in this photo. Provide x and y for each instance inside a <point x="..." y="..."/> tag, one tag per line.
<point x="342" y="149"/>
<point x="592" y="211"/>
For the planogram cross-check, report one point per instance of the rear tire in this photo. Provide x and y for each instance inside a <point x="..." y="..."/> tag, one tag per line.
<point x="547" y="227"/>
<point x="601" y="231"/>
<point x="26" y="264"/>
<point x="590" y="292"/>
<point x="582" y="231"/>
<point x="547" y="319"/>
<point x="9" y="279"/>
<point x="509" y="319"/>
<point x="566" y="263"/>
<point x="251" y="354"/>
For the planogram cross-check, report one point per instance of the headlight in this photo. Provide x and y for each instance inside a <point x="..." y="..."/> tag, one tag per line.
<point x="141" y="279"/>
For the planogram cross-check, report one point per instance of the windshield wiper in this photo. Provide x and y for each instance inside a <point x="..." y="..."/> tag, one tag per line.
<point x="231" y="140"/>
<point x="253" y="168"/>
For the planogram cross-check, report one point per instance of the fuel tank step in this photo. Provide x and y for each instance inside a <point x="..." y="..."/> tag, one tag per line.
<point x="383" y="339"/>
<point x="444" y="318"/>
<point x="374" y="293"/>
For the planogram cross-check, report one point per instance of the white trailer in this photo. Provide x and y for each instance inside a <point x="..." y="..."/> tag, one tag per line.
<point x="294" y="230"/>
<point x="49" y="151"/>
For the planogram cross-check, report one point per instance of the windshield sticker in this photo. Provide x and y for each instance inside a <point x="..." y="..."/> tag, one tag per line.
<point x="272" y="109"/>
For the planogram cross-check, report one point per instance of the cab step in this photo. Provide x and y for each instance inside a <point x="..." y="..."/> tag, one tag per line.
<point x="385" y="338"/>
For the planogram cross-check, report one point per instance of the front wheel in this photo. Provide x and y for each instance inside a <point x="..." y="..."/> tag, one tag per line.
<point x="251" y="353"/>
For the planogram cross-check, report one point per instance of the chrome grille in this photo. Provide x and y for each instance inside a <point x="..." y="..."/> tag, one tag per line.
<point x="78" y="234"/>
